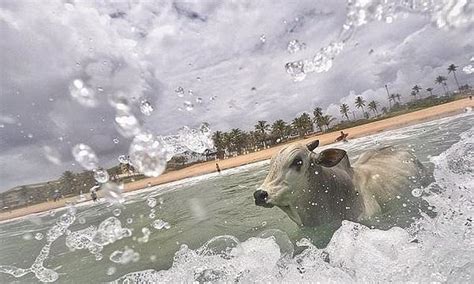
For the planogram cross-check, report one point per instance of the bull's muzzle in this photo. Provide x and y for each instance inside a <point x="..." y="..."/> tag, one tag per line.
<point x="261" y="197"/>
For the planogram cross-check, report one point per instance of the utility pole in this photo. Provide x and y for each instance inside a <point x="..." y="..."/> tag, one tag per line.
<point x="388" y="95"/>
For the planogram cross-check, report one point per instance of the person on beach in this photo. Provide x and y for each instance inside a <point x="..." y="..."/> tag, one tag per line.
<point x="218" y="169"/>
<point x="342" y="137"/>
<point x="94" y="195"/>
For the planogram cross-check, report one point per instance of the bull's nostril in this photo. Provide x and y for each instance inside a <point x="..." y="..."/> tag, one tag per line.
<point x="260" y="196"/>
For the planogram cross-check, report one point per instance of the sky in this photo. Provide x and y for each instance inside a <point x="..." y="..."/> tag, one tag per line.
<point x="228" y="56"/>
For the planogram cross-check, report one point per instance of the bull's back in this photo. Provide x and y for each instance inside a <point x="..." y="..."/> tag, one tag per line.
<point x="382" y="175"/>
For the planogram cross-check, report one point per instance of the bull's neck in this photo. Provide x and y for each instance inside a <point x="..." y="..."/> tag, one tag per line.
<point x="335" y="196"/>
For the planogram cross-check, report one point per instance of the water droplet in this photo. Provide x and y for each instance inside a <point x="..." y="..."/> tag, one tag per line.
<point x="148" y="155"/>
<point x="127" y="124"/>
<point x="152" y="216"/>
<point x="213" y="98"/>
<point x="116" y="212"/>
<point x="39" y="236"/>
<point x="82" y="94"/>
<point x="160" y="224"/>
<point x="101" y="175"/>
<point x="81" y="220"/>
<point x="188" y="105"/>
<point x="263" y="38"/>
<point x="295" y="46"/>
<point x="85" y="156"/>
<point x="417" y="192"/>
<point x="190" y="93"/>
<point x="111" y="270"/>
<point x="116" y="140"/>
<point x="123" y="159"/>
<point x="199" y="100"/>
<point x="151" y="202"/>
<point x="146" y="108"/>
<point x="179" y="91"/>
<point x="129" y="220"/>
<point x="126" y="256"/>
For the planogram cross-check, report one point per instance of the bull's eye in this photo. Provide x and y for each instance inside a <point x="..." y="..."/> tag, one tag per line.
<point x="297" y="163"/>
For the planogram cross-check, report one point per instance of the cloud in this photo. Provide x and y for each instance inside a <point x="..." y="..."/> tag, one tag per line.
<point x="145" y="50"/>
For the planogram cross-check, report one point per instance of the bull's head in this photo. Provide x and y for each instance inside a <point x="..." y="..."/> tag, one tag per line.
<point x="288" y="178"/>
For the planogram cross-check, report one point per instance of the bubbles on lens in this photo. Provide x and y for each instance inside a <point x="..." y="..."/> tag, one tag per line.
<point x="148" y="155"/>
<point x="146" y="108"/>
<point x="124" y="257"/>
<point x="127" y="124"/>
<point x="85" y="156"/>
<point x="123" y="159"/>
<point x="179" y="91"/>
<point x="116" y="212"/>
<point x="82" y="94"/>
<point x="101" y="175"/>
<point x="151" y="202"/>
<point x="417" y="192"/>
<point x="196" y="140"/>
<point x="160" y="224"/>
<point x="295" y="46"/>
<point x="188" y="105"/>
<point x="111" y="270"/>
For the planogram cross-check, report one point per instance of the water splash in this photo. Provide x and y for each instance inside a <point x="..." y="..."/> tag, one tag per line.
<point x="444" y="14"/>
<point x="196" y="140"/>
<point x="113" y="193"/>
<point x="148" y="155"/>
<point x="94" y="239"/>
<point x="146" y="108"/>
<point x="42" y="273"/>
<point x="160" y="224"/>
<point x="295" y="46"/>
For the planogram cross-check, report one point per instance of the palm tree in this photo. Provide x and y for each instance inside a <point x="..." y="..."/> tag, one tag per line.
<point x="452" y="68"/>
<point x="413" y="93"/>
<point x="326" y="120"/>
<point x="218" y="139"/>
<point x="373" y="107"/>
<point x="279" y="129"/>
<point x="344" y="109"/>
<point x="262" y="127"/>
<point x="308" y="124"/>
<point x="237" y="140"/>
<point x="442" y="81"/>
<point x="416" y="88"/>
<point x="299" y="126"/>
<point x="399" y="97"/>
<point x="317" y="113"/>
<point x="430" y="90"/>
<point x="360" y="103"/>
<point x="393" y="97"/>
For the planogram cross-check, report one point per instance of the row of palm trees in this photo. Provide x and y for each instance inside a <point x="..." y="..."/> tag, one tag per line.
<point x="237" y="141"/>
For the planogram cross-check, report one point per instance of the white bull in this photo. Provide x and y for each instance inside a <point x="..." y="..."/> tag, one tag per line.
<point x="314" y="189"/>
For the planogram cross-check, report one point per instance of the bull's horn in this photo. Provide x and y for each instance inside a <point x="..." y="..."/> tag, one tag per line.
<point x="312" y="145"/>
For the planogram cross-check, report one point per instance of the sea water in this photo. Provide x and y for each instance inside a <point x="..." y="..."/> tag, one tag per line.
<point x="207" y="228"/>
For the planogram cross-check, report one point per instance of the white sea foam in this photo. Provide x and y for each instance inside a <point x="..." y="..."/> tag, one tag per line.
<point x="436" y="249"/>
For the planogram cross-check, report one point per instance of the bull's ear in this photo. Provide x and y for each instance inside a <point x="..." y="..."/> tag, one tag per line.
<point x="330" y="157"/>
<point x="312" y="145"/>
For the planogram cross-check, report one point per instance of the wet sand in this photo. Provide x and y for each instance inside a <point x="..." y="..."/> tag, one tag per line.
<point x="423" y="115"/>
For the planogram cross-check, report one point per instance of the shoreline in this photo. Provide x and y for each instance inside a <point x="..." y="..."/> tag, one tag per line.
<point x="419" y="116"/>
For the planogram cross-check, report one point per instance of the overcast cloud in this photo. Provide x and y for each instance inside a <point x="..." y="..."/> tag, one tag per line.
<point x="214" y="48"/>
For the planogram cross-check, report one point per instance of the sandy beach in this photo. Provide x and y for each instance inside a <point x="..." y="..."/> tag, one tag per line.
<point x="427" y="114"/>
